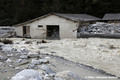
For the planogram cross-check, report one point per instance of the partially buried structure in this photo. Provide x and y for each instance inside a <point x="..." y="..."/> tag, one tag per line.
<point x="112" y="17"/>
<point x="54" y="25"/>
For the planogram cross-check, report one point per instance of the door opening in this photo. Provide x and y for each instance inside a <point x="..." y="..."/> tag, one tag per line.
<point x="53" y="32"/>
<point x="24" y="30"/>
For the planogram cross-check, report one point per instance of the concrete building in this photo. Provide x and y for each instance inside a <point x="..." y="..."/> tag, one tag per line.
<point x="54" y="25"/>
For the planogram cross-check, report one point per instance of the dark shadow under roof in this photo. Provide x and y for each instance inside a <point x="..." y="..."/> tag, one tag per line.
<point x="73" y="17"/>
<point x="112" y="16"/>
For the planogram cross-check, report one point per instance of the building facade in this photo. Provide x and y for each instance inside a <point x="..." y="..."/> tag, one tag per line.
<point x="53" y="25"/>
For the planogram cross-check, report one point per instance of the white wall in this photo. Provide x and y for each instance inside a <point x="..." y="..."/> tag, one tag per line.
<point x="66" y="27"/>
<point x="19" y="31"/>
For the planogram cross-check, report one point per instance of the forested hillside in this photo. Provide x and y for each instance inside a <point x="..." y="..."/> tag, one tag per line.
<point x="16" y="11"/>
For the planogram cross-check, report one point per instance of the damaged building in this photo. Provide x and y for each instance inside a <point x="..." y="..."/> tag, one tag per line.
<point x="54" y="25"/>
<point x="112" y="18"/>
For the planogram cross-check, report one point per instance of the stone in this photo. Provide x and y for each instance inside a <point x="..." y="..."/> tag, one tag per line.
<point x="43" y="47"/>
<point x="11" y="66"/>
<point x="17" y="42"/>
<point x="10" y="55"/>
<point x="33" y="55"/>
<point x="7" y="48"/>
<point x="31" y="66"/>
<point x="2" y="58"/>
<point x="27" y="74"/>
<point x="46" y="69"/>
<point x="47" y="58"/>
<point x="19" y="60"/>
<point x="8" y="61"/>
<point x="57" y="78"/>
<point x="44" y="61"/>
<point x="68" y="75"/>
<point x="35" y="62"/>
<point x="2" y="44"/>
<point x="24" y="57"/>
<point x="23" y="50"/>
<point x="17" y="68"/>
<point x="1" y="63"/>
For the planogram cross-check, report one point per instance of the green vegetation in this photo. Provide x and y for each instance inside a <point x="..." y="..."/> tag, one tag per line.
<point x="17" y="11"/>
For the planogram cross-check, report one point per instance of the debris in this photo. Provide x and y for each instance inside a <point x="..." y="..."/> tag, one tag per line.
<point x="1" y="63"/>
<point x="43" y="41"/>
<point x="6" y="41"/>
<point x="1" y="44"/>
<point x="27" y="74"/>
<point x="23" y="50"/>
<point x="9" y="55"/>
<point x="19" y="60"/>
<point x="43" y="47"/>
<point x="101" y="28"/>
<point x="2" y="58"/>
<point x="33" y="55"/>
<point x="17" y="42"/>
<point x="7" y="48"/>
<point x="46" y="69"/>
<point x="8" y="61"/>
<point x="43" y="61"/>
<point x="28" y="42"/>
<point x="24" y="57"/>
<point x="17" y="68"/>
<point x="47" y="58"/>
<point x="68" y="75"/>
<point x="35" y="62"/>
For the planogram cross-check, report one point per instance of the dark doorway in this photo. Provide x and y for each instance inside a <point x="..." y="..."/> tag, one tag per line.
<point x="53" y="32"/>
<point x="24" y="30"/>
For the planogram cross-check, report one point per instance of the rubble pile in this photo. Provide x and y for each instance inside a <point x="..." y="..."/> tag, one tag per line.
<point x="27" y="65"/>
<point x="101" y="28"/>
<point x="6" y="31"/>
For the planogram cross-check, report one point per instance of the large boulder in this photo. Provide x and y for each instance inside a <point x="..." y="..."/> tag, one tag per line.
<point x="27" y="74"/>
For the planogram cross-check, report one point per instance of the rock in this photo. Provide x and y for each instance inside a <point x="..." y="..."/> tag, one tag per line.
<point x="17" y="68"/>
<point x="19" y="60"/>
<point x="43" y="41"/>
<point x="31" y="66"/>
<point x="11" y="66"/>
<point x="57" y="78"/>
<point x="2" y="58"/>
<point x="23" y="50"/>
<point x="43" y="47"/>
<point x="28" y="42"/>
<point x="35" y="62"/>
<point x="6" y="41"/>
<point x="44" y="61"/>
<point x="47" y="58"/>
<point x="10" y="55"/>
<point x="7" y="48"/>
<point x="33" y="55"/>
<point x="68" y="75"/>
<point x="2" y="44"/>
<point x="47" y="77"/>
<point x="1" y="63"/>
<point x="8" y="61"/>
<point x="46" y="69"/>
<point x="17" y="42"/>
<point x="27" y="74"/>
<point x="23" y="57"/>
